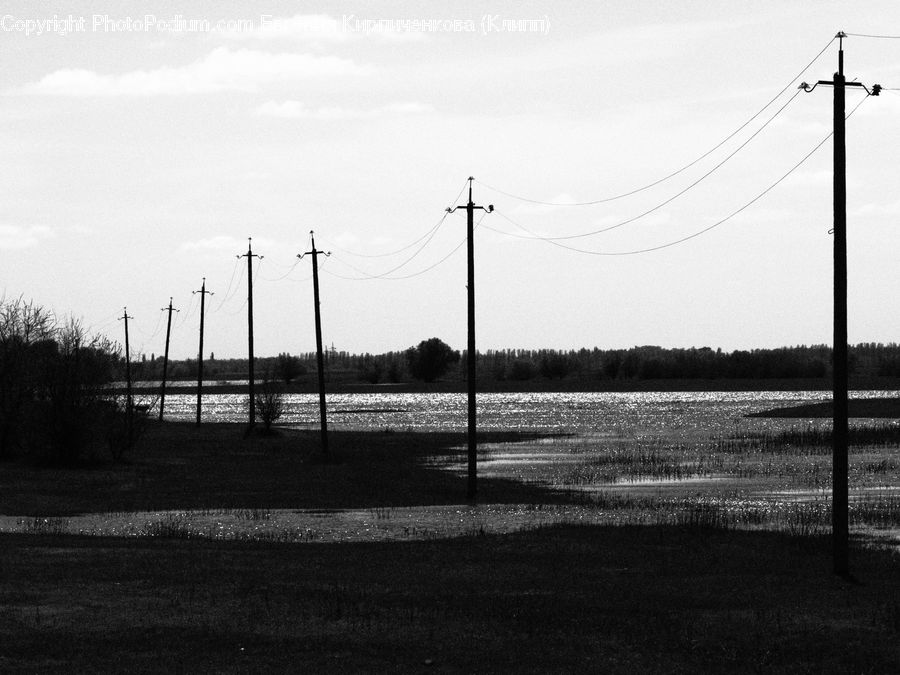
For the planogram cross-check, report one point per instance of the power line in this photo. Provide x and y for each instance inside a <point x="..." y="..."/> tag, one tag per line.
<point x="694" y="235"/>
<point x="187" y="313"/>
<point x="431" y="236"/>
<point x="880" y="37"/>
<point x="677" y="171"/>
<point x="406" y="276"/>
<point x="230" y="281"/>
<point x="399" y="250"/>
<point x="684" y="190"/>
<point x="234" y="290"/>
<point x="283" y="276"/>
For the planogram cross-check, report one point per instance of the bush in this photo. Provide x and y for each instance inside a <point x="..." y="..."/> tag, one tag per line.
<point x="289" y="367"/>
<point x="269" y="404"/>
<point x="54" y="406"/>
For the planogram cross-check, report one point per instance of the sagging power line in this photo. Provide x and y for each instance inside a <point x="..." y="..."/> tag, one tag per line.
<point x="658" y="181"/>
<point x="553" y="240"/>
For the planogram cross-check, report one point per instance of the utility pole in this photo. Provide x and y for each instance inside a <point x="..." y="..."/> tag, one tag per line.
<point x="472" y="486"/>
<point x="129" y="399"/>
<point x="249" y="255"/>
<point x="320" y="361"/>
<point x="203" y="293"/>
<point x="840" y="529"/>
<point x="162" y="392"/>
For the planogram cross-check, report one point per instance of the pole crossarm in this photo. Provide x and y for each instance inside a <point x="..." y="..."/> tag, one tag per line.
<point x="874" y="91"/>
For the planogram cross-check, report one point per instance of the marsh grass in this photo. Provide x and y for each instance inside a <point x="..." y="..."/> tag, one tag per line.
<point x="791" y="458"/>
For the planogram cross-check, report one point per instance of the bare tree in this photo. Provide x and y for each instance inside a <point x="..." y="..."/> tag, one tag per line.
<point x="269" y="404"/>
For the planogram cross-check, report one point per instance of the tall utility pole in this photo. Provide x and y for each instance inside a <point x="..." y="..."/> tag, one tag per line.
<point x="249" y="256"/>
<point x="840" y="529"/>
<point x="472" y="487"/>
<point x="203" y="293"/>
<point x="162" y="391"/>
<point x="320" y="360"/>
<point x="129" y="398"/>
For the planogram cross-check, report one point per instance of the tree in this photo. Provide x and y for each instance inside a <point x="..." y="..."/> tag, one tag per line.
<point x="269" y="404"/>
<point x="288" y="367"/>
<point x="22" y="325"/>
<point x="53" y="400"/>
<point x="430" y="359"/>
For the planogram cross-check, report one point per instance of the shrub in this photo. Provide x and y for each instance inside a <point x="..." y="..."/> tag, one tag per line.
<point x="269" y="404"/>
<point x="54" y="405"/>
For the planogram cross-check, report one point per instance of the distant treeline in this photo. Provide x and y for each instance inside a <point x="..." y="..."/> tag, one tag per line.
<point x="634" y="364"/>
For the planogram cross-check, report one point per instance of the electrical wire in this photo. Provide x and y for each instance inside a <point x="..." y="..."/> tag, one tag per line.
<point x="688" y="237"/>
<point x="414" y="274"/>
<point x="677" y="171"/>
<point x="156" y="327"/>
<point x="230" y="281"/>
<point x="104" y="323"/>
<point x="187" y="312"/>
<point x="283" y="276"/>
<point x="665" y="202"/>
<point x="399" y="250"/>
<point x="234" y="289"/>
<point x="244" y="303"/>
<point x="384" y="275"/>
<point x="880" y="37"/>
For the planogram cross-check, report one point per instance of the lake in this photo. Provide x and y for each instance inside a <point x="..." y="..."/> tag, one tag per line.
<point x="572" y="412"/>
<point x="635" y="457"/>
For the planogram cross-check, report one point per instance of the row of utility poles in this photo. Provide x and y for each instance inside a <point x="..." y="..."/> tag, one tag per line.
<point x="840" y="524"/>
<point x="251" y="357"/>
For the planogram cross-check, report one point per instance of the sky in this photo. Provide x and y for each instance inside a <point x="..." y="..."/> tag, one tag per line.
<point x="142" y="148"/>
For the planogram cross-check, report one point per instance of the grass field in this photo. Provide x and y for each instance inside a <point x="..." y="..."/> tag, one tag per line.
<point x="693" y="595"/>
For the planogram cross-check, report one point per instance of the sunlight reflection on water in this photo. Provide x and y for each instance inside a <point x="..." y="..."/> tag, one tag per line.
<point x="555" y="412"/>
<point x="665" y="439"/>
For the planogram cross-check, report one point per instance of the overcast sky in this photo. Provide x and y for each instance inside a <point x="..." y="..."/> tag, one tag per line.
<point x="140" y="152"/>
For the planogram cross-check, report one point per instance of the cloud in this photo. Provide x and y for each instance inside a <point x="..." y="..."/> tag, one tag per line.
<point x="297" y="110"/>
<point x="15" y="237"/>
<point x="221" y="70"/>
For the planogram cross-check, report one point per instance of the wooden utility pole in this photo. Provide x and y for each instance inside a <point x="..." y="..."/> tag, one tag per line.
<point x="320" y="359"/>
<point x="162" y="391"/>
<point x="471" y="354"/>
<point x="203" y="293"/>
<point x="840" y="528"/>
<point x="249" y="255"/>
<point x="129" y="397"/>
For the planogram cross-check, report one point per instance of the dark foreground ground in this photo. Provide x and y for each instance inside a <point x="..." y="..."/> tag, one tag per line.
<point x="570" y="599"/>
<point x="565" y="599"/>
